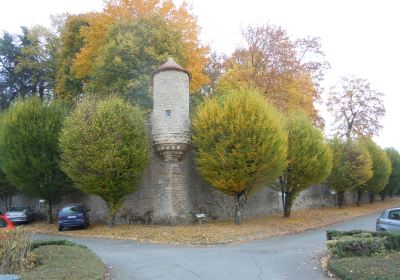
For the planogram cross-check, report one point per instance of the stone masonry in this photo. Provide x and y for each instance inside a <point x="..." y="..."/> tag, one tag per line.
<point x="171" y="188"/>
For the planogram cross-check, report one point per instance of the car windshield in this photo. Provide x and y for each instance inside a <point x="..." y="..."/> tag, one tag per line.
<point x="71" y="210"/>
<point x="16" y="209"/>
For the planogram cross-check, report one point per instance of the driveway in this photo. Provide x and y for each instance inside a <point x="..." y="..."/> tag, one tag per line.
<point x="294" y="256"/>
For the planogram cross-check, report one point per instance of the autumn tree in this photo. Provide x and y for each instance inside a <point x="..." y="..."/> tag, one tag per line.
<point x="132" y="50"/>
<point x="351" y="168"/>
<point x="394" y="179"/>
<point x="105" y="149"/>
<point x="356" y="107"/>
<point x="381" y="167"/>
<point x="95" y="33"/>
<point x="287" y="72"/>
<point x="240" y="144"/>
<point x="67" y="86"/>
<point x="309" y="159"/>
<point x="29" y="149"/>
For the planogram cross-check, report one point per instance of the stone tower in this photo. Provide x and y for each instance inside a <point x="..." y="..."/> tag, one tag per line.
<point x="170" y="139"/>
<point x="171" y="123"/>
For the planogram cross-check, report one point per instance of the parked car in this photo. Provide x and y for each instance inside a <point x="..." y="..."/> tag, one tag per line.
<point x="73" y="216"/>
<point x="20" y="214"/>
<point x="389" y="220"/>
<point x="5" y="223"/>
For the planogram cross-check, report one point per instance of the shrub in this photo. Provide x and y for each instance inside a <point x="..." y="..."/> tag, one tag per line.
<point x="335" y="234"/>
<point x="392" y="239"/>
<point x="363" y="244"/>
<point x="15" y="252"/>
<point x="37" y="243"/>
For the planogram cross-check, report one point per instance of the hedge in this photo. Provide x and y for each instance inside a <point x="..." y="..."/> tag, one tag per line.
<point x="37" y="243"/>
<point x="361" y="243"/>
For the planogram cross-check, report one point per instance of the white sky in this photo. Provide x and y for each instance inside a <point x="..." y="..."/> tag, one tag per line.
<point x="359" y="37"/>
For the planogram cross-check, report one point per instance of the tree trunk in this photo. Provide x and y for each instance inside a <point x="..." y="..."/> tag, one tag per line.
<point x="383" y="196"/>
<point x="287" y="203"/>
<point x="359" y="195"/>
<point x="49" y="211"/>
<point x="371" y="198"/>
<point x="9" y="201"/>
<point x="240" y="199"/>
<point x="340" y="199"/>
<point x="113" y="214"/>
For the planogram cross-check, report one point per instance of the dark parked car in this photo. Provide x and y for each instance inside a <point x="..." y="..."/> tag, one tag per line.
<point x="389" y="220"/>
<point x="73" y="216"/>
<point x="20" y="214"/>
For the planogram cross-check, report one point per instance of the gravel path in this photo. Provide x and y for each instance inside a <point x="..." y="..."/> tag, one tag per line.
<point x="294" y="257"/>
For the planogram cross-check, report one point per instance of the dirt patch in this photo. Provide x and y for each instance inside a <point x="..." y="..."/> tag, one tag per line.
<point x="222" y="232"/>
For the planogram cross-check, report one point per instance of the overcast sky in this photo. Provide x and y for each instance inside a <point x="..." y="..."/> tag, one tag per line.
<point x="359" y="38"/>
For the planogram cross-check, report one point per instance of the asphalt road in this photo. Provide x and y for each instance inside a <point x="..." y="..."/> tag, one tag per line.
<point x="294" y="257"/>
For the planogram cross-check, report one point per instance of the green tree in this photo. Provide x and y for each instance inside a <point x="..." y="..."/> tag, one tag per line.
<point x="132" y="50"/>
<point x="240" y="144"/>
<point x="394" y="179"/>
<point x="381" y="167"/>
<point x="351" y="167"/>
<point x="6" y="190"/>
<point x="105" y="149"/>
<point x="309" y="159"/>
<point x="27" y="64"/>
<point x="29" y="149"/>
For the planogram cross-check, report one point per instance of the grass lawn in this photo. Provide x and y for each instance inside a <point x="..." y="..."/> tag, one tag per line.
<point x="221" y="232"/>
<point x="60" y="262"/>
<point x="384" y="267"/>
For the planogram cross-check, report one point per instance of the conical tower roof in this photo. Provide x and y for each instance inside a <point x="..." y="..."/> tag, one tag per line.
<point x="171" y="65"/>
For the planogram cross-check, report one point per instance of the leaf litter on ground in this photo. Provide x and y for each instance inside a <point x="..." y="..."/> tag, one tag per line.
<point x="222" y="232"/>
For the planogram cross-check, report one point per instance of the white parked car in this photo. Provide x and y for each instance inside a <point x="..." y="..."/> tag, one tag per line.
<point x="389" y="220"/>
<point x="20" y="214"/>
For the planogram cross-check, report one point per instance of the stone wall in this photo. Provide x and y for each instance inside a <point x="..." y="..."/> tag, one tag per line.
<point x="198" y="197"/>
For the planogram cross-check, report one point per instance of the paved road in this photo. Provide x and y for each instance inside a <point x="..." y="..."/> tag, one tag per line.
<point x="291" y="257"/>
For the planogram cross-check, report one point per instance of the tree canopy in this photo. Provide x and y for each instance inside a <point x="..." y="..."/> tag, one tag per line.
<point x="132" y="50"/>
<point x="29" y="149"/>
<point x="89" y="52"/>
<point x="381" y="167"/>
<point x="287" y="72"/>
<point x="309" y="159"/>
<point x="240" y="143"/>
<point x="394" y="180"/>
<point x="105" y="149"/>
<point x="352" y="167"/>
<point x="27" y="64"/>
<point x="356" y="107"/>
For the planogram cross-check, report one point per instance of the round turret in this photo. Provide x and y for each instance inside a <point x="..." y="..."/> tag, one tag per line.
<point x="170" y="120"/>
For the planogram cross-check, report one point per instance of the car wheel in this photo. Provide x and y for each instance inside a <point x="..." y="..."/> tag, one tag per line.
<point x="60" y="228"/>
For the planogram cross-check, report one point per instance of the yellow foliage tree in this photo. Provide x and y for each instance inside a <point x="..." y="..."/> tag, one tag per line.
<point x="276" y="65"/>
<point x="240" y="144"/>
<point x="129" y="10"/>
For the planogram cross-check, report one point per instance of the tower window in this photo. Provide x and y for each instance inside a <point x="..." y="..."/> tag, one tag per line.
<point x="167" y="113"/>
